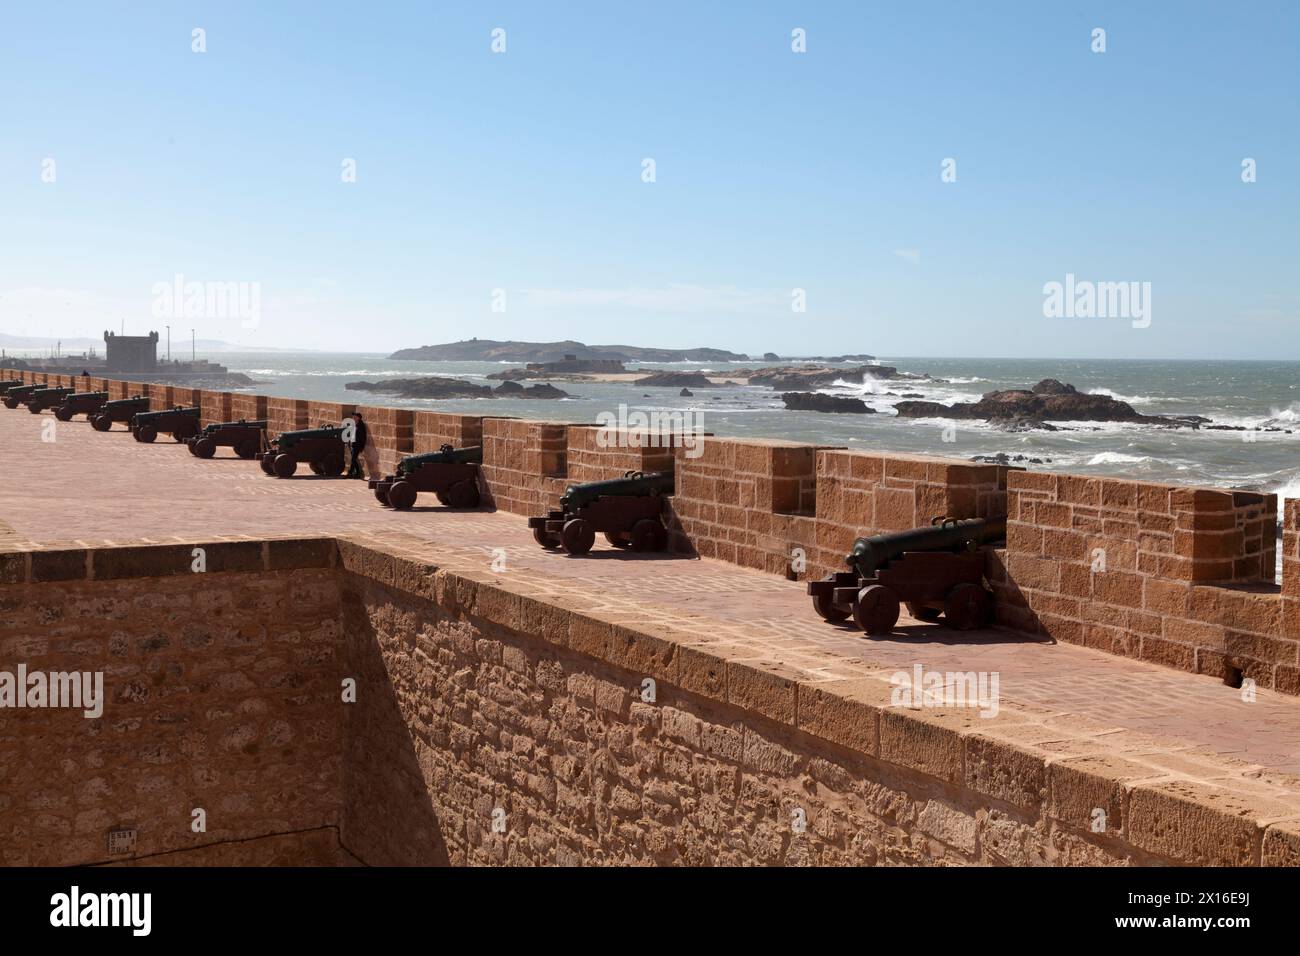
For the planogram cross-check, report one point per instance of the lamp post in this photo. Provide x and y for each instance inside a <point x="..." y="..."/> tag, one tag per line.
<point x="169" y="343"/>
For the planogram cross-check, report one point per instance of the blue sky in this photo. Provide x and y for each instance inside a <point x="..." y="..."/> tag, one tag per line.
<point x="774" y="171"/>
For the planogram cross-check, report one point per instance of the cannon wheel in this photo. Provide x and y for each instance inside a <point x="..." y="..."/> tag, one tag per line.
<point x="284" y="466"/>
<point x="876" y="609"/>
<point x="204" y="448"/>
<point x="185" y="430"/>
<point x="63" y="413"/>
<point x="827" y="609"/>
<point x="266" y="463"/>
<point x="381" y="494"/>
<point x="246" y="449"/>
<point x="146" y="434"/>
<point x="967" y="607"/>
<point x="402" y="495"/>
<point x="618" y="539"/>
<point x="316" y="467"/>
<point x="463" y="494"/>
<point x="442" y="498"/>
<point x="923" y="612"/>
<point x="545" y="538"/>
<point x="11" y="403"/>
<point x="578" y="536"/>
<point x="101" y="423"/>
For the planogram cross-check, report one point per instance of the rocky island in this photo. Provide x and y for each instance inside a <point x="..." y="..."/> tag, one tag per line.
<point x="434" y="386"/>
<point x="487" y="350"/>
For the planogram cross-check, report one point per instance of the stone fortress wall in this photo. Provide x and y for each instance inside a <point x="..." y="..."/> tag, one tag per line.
<point x="1170" y="574"/>
<point x="490" y="725"/>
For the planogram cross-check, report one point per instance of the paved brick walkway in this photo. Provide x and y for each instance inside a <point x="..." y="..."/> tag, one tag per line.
<point x="90" y="488"/>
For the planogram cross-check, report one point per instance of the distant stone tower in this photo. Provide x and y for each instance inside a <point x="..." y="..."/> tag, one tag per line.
<point x="130" y="353"/>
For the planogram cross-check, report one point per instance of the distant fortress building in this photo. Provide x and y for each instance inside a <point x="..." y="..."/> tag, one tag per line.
<point x="131" y="353"/>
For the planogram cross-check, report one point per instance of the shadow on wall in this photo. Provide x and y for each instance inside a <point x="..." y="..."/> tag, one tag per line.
<point x="388" y="816"/>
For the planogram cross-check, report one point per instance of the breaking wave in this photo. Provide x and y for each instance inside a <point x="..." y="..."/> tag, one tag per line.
<point x="1117" y="458"/>
<point x="1130" y="399"/>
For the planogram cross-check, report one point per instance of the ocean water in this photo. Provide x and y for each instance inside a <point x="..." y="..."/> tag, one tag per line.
<point x="1252" y="394"/>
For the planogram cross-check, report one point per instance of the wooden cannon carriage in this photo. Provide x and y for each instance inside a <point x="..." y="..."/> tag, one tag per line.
<point x="118" y="410"/>
<point x="247" y="438"/>
<point x="44" y="398"/>
<point x="937" y="571"/>
<point x="81" y="403"/>
<point x="180" y="423"/>
<point x="19" y="395"/>
<point x="450" y="473"/>
<point x="321" y="449"/>
<point x="627" y="510"/>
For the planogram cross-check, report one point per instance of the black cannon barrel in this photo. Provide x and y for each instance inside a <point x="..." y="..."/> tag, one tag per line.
<point x="947" y="534"/>
<point x="634" y="483"/>
<point x="325" y="431"/>
<point x="444" y="455"/>
<point x="9" y="383"/>
<point x="60" y="389"/>
<point x="89" y="395"/>
<point x="177" y="410"/>
<point x="242" y="423"/>
<point x="123" y="402"/>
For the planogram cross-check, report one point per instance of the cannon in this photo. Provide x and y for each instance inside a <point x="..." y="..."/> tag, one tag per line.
<point x="321" y="448"/>
<point x="627" y="510"/>
<point x="80" y="403"/>
<point x="8" y="383"/>
<point x="937" y="570"/>
<point x="118" y="410"/>
<point x="180" y="423"/>
<point x="44" y="398"/>
<point x="19" y="394"/>
<point x="245" y="437"/>
<point x="450" y="473"/>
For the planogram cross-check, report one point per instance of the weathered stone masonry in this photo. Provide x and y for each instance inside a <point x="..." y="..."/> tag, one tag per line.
<point x="216" y="697"/>
<point x="477" y="694"/>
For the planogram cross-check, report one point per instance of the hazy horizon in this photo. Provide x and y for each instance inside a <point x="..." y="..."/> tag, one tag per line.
<point x="807" y="182"/>
<point x="180" y="349"/>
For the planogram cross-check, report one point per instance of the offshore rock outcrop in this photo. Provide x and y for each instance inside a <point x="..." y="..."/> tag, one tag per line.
<point x="569" y="369"/>
<point x="817" y="402"/>
<point x="1049" y="400"/>
<point x="800" y="378"/>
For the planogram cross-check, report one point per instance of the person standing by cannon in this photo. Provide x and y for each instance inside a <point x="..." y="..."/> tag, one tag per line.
<point x="363" y="450"/>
